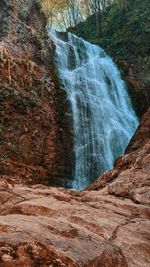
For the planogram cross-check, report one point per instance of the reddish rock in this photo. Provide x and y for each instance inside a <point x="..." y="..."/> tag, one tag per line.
<point x="35" y="137"/>
<point x="106" y="225"/>
<point x="42" y="226"/>
<point x="130" y="177"/>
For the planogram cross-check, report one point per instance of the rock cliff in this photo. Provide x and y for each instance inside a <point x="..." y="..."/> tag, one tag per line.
<point x="34" y="132"/>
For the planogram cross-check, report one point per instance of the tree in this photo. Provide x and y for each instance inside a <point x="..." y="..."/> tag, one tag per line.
<point x="98" y="8"/>
<point x="68" y="13"/>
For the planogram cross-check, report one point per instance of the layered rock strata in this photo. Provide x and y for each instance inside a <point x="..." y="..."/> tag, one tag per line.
<point x="35" y="138"/>
<point x="106" y="225"/>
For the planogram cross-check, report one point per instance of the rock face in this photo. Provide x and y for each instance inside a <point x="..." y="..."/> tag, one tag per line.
<point x="138" y="81"/>
<point x="106" y="225"/>
<point x="130" y="177"/>
<point x="35" y="139"/>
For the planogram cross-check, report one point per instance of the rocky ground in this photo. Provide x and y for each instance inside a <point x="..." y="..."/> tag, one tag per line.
<point x="106" y="225"/>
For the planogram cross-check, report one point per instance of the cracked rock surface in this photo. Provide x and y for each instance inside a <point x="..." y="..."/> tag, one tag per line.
<point x="105" y="225"/>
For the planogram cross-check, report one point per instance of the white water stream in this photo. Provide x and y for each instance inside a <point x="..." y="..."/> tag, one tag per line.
<point x="102" y="115"/>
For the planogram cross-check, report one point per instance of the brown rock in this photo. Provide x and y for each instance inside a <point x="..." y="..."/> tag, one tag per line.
<point x="137" y="78"/>
<point x="105" y="225"/>
<point x="42" y="227"/>
<point x="131" y="176"/>
<point x="30" y="115"/>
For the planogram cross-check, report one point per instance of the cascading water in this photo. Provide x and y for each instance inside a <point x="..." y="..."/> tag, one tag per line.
<point x="102" y="114"/>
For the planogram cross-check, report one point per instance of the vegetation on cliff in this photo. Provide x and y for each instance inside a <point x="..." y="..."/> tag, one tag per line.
<point x="125" y="35"/>
<point x="125" y="31"/>
<point x="121" y="27"/>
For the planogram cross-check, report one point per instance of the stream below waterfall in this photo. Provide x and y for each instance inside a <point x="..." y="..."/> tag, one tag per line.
<point x="102" y="115"/>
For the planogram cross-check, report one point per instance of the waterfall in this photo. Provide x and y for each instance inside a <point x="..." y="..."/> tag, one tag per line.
<point x="102" y="115"/>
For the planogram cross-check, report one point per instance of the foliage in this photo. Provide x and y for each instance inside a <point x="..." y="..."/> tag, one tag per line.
<point x="64" y="13"/>
<point x="125" y="36"/>
<point x="125" y="29"/>
<point x="17" y="99"/>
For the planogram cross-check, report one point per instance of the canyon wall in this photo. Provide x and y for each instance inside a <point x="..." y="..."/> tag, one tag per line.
<point x="34" y="138"/>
